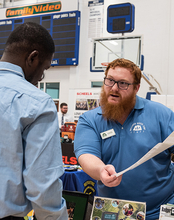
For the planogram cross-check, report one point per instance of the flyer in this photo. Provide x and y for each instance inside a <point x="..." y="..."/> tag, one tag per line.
<point x="116" y="209"/>
<point x="168" y="142"/>
<point x="167" y="212"/>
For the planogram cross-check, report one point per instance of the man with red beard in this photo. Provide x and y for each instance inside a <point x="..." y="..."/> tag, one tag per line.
<point x="117" y="134"/>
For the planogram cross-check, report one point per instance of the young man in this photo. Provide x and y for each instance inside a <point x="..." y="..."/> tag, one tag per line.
<point x="63" y="116"/>
<point x="132" y="126"/>
<point x="31" y="159"/>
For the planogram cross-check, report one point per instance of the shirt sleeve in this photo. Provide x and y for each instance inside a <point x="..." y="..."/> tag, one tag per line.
<point x="71" y="119"/>
<point x="59" y="120"/>
<point x="87" y="138"/>
<point x="170" y="128"/>
<point x="165" y="118"/>
<point x="68" y="118"/>
<point x="43" y="163"/>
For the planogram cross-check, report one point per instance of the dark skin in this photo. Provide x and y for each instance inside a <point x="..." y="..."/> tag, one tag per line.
<point x="31" y="65"/>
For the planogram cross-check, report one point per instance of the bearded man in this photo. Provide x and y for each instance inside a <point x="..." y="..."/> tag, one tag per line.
<point x="117" y="134"/>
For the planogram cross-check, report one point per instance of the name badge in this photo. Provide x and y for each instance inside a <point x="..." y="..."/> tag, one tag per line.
<point x="107" y="134"/>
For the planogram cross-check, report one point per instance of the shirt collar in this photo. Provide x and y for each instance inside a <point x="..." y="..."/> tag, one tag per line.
<point x="6" y="66"/>
<point x="139" y="103"/>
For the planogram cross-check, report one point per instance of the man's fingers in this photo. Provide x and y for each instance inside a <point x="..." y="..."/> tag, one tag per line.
<point x="113" y="181"/>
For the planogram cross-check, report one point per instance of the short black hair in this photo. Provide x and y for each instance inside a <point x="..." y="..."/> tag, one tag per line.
<point x="28" y="37"/>
<point x="63" y="104"/>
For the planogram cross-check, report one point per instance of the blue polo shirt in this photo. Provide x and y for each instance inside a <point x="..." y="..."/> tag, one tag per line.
<point x="148" y="124"/>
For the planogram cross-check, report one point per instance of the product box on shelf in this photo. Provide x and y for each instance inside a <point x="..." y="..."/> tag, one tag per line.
<point x="70" y="126"/>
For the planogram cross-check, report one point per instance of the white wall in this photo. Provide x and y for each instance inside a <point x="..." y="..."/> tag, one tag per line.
<point x="153" y="21"/>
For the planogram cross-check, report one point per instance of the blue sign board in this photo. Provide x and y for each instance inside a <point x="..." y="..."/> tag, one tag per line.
<point x="63" y="27"/>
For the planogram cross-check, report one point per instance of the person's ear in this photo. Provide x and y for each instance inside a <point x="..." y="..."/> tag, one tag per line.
<point x="137" y="87"/>
<point x="32" y="57"/>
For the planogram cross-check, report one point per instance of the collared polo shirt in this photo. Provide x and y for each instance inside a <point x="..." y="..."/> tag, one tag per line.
<point x="148" y="124"/>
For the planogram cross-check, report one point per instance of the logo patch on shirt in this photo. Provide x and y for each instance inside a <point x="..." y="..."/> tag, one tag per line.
<point x="137" y="128"/>
<point x="107" y="134"/>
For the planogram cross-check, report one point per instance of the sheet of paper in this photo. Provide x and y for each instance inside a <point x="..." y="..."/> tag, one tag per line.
<point x="95" y="23"/>
<point x="168" y="142"/>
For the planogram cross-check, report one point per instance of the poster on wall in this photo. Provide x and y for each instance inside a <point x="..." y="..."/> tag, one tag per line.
<point x="85" y="100"/>
<point x="95" y="23"/>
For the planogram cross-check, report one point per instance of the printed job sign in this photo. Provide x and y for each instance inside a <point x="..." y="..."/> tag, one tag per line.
<point x="34" y="9"/>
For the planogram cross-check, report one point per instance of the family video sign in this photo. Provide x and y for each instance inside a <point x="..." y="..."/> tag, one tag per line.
<point x="33" y="9"/>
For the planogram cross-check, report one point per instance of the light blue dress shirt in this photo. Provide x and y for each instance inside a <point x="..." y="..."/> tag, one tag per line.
<point x="30" y="151"/>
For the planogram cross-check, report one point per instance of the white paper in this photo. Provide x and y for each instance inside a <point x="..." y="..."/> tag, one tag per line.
<point x="168" y="142"/>
<point x="95" y="23"/>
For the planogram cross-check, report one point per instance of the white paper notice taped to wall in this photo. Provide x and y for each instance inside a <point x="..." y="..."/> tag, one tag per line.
<point x="168" y="142"/>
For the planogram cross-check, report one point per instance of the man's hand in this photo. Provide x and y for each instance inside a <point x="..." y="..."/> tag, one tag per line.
<point x="95" y="168"/>
<point x="62" y="128"/>
<point x="108" y="177"/>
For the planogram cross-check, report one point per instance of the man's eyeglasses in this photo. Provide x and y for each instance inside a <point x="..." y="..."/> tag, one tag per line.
<point x="121" y="84"/>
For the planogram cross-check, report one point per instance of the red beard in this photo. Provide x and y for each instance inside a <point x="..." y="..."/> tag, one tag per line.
<point x="116" y="111"/>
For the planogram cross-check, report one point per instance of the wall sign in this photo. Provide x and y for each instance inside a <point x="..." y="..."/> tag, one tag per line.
<point x="120" y="18"/>
<point x="64" y="28"/>
<point x="95" y="3"/>
<point x="33" y="9"/>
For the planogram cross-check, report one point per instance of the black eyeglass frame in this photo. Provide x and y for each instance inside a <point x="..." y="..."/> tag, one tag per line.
<point x="118" y="83"/>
